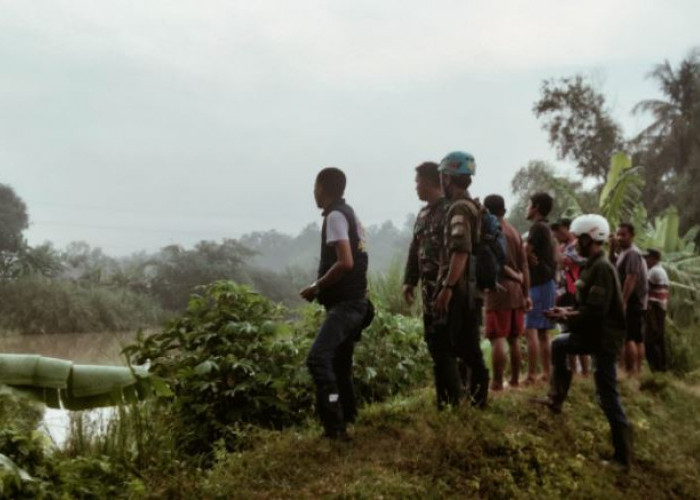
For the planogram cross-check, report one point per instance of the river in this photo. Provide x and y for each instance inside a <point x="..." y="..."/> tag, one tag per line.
<point x="81" y="348"/>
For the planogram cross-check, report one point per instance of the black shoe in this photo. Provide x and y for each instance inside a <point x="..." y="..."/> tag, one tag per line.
<point x="549" y="402"/>
<point x="622" y="442"/>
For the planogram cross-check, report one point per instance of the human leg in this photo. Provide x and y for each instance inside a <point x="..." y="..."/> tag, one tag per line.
<point x="342" y="366"/>
<point x="498" y="362"/>
<point x="561" y="375"/>
<point x="605" y="375"/>
<point x="545" y="353"/>
<point x="340" y="325"/>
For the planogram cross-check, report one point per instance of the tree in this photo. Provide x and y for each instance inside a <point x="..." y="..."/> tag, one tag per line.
<point x="177" y="272"/>
<point x="580" y="127"/>
<point x="670" y="145"/>
<point x="570" y="197"/>
<point x="13" y="219"/>
<point x="619" y="202"/>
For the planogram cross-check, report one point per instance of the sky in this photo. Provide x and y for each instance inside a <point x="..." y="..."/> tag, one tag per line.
<point x="133" y="125"/>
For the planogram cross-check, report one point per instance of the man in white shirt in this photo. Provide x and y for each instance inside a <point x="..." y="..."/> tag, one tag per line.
<point x="341" y="287"/>
<point x="655" y="334"/>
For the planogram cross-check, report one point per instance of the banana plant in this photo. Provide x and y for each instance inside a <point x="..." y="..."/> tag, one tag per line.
<point x="620" y="201"/>
<point x="622" y="191"/>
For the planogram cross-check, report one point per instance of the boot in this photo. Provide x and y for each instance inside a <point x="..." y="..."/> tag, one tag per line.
<point x="331" y="412"/>
<point x="622" y="442"/>
<point x="479" y="392"/>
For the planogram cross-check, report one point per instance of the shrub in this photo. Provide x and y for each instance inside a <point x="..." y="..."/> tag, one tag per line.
<point x="229" y="360"/>
<point x="233" y="360"/>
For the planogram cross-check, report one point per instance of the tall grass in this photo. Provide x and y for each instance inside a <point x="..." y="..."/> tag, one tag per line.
<point x="386" y="291"/>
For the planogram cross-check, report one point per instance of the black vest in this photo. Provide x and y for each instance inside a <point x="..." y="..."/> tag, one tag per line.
<point x="353" y="285"/>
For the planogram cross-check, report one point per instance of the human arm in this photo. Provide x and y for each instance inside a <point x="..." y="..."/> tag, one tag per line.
<point x="596" y="300"/>
<point x="458" y="263"/>
<point x="411" y="272"/>
<point x="628" y="288"/>
<point x="526" y="278"/>
<point x="343" y="264"/>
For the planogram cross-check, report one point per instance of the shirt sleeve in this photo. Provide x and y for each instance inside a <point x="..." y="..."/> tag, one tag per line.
<point x="658" y="276"/>
<point x="633" y="264"/>
<point x="337" y="228"/>
<point x="460" y="230"/>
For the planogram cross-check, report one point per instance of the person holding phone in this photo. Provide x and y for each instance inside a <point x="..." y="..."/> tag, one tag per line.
<point x="597" y="327"/>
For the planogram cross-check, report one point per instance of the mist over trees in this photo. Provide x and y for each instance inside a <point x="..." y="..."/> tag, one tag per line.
<point x="92" y="288"/>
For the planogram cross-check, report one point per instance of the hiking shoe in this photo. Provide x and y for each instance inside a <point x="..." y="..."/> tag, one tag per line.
<point x="547" y="401"/>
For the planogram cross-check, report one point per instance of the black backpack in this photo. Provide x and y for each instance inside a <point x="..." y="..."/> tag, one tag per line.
<point x="489" y="248"/>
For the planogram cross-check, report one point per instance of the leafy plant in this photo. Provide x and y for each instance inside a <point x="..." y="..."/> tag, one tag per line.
<point x="229" y="360"/>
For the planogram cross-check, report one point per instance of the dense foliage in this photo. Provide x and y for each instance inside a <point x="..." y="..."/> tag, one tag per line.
<point x="234" y="359"/>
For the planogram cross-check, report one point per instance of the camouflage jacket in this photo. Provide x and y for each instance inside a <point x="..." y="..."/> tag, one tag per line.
<point x="424" y="254"/>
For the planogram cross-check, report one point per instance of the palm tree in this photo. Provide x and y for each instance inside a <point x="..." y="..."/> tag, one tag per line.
<point x="677" y="119"/>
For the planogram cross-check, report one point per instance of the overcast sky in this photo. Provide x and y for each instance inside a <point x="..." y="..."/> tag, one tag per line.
<point x="136" y="124"/>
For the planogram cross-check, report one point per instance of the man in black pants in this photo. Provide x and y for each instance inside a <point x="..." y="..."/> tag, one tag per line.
<point x="458" y="303"/>
<point x="597" y="327"/>
<point x="341" y="288"/>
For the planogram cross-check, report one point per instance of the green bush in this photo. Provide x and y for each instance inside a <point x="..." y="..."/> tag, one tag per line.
<point x="233" y="360"/>
<point x="42" y="305"/>
<point x="229" y="359"/>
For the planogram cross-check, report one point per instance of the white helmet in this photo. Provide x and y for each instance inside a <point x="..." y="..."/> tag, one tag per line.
<point x="594" y="225"/>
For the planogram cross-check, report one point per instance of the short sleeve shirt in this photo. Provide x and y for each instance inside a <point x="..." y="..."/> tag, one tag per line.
<point x="458" y="231"/>
<point x="658" y="286"/>
<point x="631" y="262"/>
<point x="541" y="242"/>
<point x="458" y="236"/>
<point x="511" y="295"/>
<point x="337" y="228"/>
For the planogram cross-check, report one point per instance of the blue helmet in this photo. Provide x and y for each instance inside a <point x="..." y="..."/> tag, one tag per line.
<point x="458" y="163"/>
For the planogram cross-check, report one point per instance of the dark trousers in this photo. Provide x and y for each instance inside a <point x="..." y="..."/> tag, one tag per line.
<point x="453" y="339"/>
<point x="330" y="364"/>
<point x="605" y="375"/>
<point x="655" y="337"/>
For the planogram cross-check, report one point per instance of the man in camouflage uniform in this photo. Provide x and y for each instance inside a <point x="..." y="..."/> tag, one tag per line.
<point x="457" y="305"/>
<point x="597" y="326"/>
<point x="424" y="253"/>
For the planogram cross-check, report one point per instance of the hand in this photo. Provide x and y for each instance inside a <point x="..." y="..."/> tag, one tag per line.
<point x="528" y="304"/>
<point x="532" y="259"/>
<point x="408" y="295"/>
<point x="310" y="292"/>
<point x="519" y="277"/>
<point x="442" y="302"/>
<point x="561" y="313"/>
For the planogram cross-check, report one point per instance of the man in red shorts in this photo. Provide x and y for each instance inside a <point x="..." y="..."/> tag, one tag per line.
<point x="505" y="307"/>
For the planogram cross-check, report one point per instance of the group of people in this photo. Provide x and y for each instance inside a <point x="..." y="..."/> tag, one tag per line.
<point x="556" y="273"/>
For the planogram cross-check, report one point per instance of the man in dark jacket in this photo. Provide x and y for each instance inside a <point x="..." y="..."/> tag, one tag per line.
<point x="423" y="262"/>
<point x="341" y="288"/>
<point x="597" y="327"/>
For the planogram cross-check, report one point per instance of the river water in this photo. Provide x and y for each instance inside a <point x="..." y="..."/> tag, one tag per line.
<point x="81" y="348"/>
